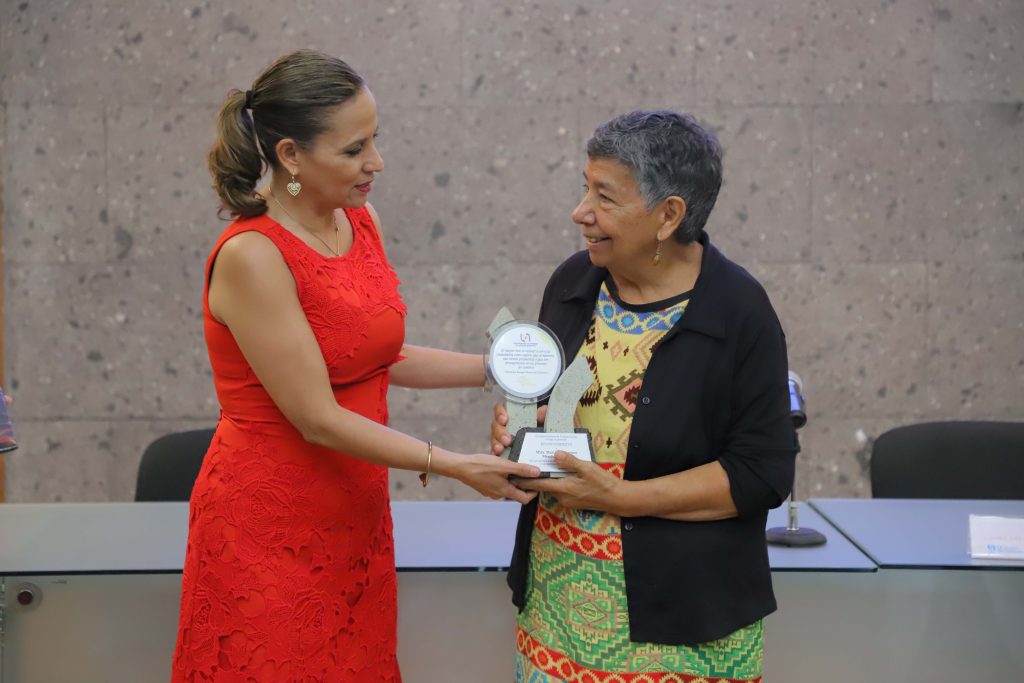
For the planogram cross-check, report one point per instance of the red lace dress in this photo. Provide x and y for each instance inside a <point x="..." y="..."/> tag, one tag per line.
<point x="290" y="571"/>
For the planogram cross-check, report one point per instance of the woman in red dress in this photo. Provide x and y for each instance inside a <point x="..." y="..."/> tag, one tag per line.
<point x="289" y="572"/>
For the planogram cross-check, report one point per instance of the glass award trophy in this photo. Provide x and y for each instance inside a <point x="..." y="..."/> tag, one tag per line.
<point x="525" y="361"/>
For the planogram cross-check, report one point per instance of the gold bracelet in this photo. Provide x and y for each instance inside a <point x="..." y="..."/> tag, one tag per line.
<point x="425" y="477"/>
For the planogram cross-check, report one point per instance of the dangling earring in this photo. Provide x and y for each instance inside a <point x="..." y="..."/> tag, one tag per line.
<point x="657" y="255"/>
<point x="294" y="187"/>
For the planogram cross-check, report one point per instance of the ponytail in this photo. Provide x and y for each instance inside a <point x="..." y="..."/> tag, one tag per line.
<point x="235" y="161"/>
<point x="293" y="98"/>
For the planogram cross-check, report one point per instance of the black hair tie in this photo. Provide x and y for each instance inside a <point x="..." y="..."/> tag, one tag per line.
<point x="248" y="99"/>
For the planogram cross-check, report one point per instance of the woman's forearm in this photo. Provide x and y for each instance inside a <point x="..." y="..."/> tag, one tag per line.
<point x="427" y="368"/>
<point x="700" y="494"/>
<point x="348" y="432"/>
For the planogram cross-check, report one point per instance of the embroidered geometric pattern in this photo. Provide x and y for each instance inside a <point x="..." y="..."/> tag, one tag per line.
<point x="620" y="397"/>
<point x="575" y="625"/>
<point x="629" y="322"/>
<point x="544" y="665"/>
<point x="607" y="406"/>
<point x="601" y="546"/>
<point x="616" y="468"/>
<point x="644" y="347"/>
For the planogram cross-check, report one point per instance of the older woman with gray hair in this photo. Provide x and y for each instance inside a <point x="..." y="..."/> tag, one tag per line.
<point x="653" y="558"/>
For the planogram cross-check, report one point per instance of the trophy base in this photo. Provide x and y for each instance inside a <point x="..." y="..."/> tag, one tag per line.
<point x="534" y="446"/>
<point x="794" y="538"/>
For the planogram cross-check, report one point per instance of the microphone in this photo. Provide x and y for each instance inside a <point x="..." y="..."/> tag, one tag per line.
<point x="792" y="535"/>
<point x="797" y="406"/>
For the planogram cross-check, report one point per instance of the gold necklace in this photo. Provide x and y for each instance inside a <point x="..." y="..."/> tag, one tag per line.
<point x="337" y="235"/>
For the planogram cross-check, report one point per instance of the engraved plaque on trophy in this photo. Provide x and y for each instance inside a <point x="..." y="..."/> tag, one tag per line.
<point x="526" y="361"/>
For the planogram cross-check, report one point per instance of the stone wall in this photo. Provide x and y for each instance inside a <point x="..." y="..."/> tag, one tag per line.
<point x="873" y="183"/>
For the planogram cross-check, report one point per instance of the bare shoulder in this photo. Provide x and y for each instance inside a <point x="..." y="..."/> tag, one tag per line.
<point x="249" y="272"/>
<point x="250" y="252"/>
<point x="376" y="218"/>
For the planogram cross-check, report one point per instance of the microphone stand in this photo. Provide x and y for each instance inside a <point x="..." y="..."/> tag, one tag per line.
<point x="792" y="535"/>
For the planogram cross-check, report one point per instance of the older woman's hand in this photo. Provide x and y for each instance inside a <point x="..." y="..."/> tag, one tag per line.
<point x="500" y="438"/>
<point x="592" y="488"/>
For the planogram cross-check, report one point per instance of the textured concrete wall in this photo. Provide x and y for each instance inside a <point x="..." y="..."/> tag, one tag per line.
<point x="873" y="183"/>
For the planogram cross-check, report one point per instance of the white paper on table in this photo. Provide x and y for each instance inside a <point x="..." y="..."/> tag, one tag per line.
<point x="1000" y="538"/>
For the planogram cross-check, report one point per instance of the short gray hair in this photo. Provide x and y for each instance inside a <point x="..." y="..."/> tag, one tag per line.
<point x="669" y="154"/>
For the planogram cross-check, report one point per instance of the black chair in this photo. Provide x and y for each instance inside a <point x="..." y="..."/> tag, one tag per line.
<point x="170" y="465"/>
<point x="977" y="460"/>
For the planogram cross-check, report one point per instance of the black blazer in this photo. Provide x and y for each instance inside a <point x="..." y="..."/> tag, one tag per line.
<point x="715" y="389"/>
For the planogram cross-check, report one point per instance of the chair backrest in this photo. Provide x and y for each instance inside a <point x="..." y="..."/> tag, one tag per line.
<point x="977" y="460"/>
<point x="170" y="465"/>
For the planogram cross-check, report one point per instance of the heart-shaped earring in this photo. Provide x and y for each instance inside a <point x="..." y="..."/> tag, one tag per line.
<point x="294" y="187"/>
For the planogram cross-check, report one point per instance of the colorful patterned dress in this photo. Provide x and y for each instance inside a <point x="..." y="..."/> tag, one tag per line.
<point x="575" y="626"/>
